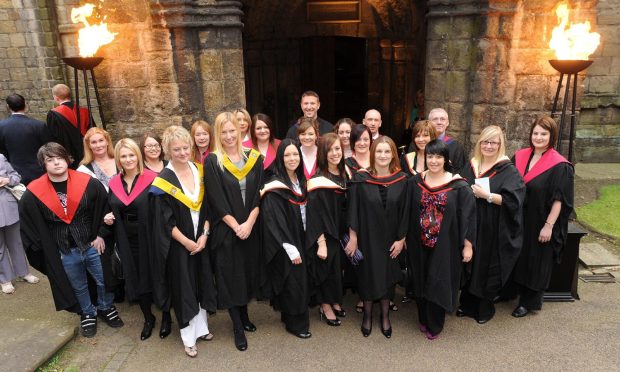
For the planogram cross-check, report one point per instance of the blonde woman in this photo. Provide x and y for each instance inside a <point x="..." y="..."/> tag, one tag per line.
<point x="130" y="217"/>
<point x="233" y="178"/>
<point x="99" y="163"/>
<point x="499" y="192"/>
<point x="201" y="132"/>
<point x="244" y="120"/>
<point x="98" y="159"/>
<point x="181" y="229"/>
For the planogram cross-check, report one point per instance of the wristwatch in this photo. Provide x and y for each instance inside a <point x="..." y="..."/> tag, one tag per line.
<point x="490" y="198"/>
<point x="206" y="232"/>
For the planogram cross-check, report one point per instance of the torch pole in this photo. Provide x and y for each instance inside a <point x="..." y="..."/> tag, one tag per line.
<point x="92" y="75"/>
<point x="90" y="111"/>
<point x="76" y="106"/>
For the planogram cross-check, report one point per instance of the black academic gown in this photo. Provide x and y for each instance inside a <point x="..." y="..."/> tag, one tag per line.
<point x="237" y="264"/>
<point x="437" y="272"/>
<point x="281" y="220"/>
<point x="180" y="280"/>
<point x="326" y="215"/>
<point x="499" y="229"/>
<point x="456" y="153"/>
<point x="62" y="131"/>
<point x="377" y="228"/>
<point x="36" y="237"/>
<point x="536" y="261"/>
<point x="132" y="232"/>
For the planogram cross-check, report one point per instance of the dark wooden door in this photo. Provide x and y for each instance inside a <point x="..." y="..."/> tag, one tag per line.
<point x="278" y="72"/>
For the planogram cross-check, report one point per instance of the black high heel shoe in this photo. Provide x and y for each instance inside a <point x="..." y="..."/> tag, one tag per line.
<point x="147" y="329"/>
<point x="166" y="327"/>
<point x="366" y="331"/>
<point x="340" y="313"/>
<point x="330" y="322"/>
<point x="387" y="332"/>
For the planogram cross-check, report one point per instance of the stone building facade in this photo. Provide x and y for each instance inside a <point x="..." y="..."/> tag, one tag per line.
<point x="174" y="61"/>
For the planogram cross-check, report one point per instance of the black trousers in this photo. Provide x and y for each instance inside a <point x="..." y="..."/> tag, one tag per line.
<point x="296" y="323"/>
<point x="530" y="299"/>
<point x="431" y="315"/>
<point x="476" y="307"/>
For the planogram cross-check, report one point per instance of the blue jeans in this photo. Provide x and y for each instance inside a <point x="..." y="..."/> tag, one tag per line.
<point x="76" y="263"/>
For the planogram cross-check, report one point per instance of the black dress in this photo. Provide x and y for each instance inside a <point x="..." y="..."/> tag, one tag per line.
<point x="181" y="280"/>
<point x="327" y="216"/>
<point x="286" y="284"/>
<point x="132" y="230"/>
<point x="379" y="218"/>
<point x="499" y="238"/>
<point x="549" y="180"/>
<point x="236" y="263"/>
<point x="408" y="162"/>
<point x="441" y="219"/>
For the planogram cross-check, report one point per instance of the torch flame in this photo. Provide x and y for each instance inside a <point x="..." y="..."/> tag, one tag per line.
<point x="572" y="41"/>
<point x="90" y="37"/>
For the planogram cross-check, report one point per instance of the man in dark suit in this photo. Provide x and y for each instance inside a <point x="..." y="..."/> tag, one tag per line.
<point x="20" y="139"/>
<point x="439" y="118"/>
<point x="310" y="105"/>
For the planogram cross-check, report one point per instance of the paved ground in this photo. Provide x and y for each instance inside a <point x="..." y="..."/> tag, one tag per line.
<point x="584" y="335"/>
<point x="30" y="330"/>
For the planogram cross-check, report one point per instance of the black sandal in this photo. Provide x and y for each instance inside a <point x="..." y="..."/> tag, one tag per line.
<point x="359" y="308"/>
<point x="393" y="306"/>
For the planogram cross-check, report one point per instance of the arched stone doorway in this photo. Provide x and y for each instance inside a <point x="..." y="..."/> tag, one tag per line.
<point x="374" y="61"/>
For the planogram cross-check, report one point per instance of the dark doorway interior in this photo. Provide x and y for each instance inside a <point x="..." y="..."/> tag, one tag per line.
<point x="334" y="67"/>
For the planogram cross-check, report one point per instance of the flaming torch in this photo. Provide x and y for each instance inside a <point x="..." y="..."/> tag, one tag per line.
<point x="91" y="37"/>
<point x="573" y="44"/>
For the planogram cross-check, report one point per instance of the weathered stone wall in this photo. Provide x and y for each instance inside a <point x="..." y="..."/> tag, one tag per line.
<point x="172" y="62"/>
<point x="29" y="62"/>
<point x="598" y="132"/>
<point x="487" y="63"/>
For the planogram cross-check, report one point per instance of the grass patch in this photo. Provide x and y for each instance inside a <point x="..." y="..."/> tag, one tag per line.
<point x="603" y="214"/>
<point x="55" y="363"/>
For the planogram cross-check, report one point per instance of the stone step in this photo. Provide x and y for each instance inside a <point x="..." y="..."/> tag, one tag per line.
<point x="595" y="255"/>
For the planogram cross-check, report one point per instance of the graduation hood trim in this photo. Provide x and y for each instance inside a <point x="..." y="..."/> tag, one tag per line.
<point x="144" y="180"/>
<point x="44" y="191"/>
<point x="548" y="160"/>
<point x="177" y="192"/>
<point x="240" y="174"/>
<point x="323" y="182"/>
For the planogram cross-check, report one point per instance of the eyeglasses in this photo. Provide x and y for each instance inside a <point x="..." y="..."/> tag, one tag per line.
<point x="153" y="146"/>
<point x="489" y="143"/>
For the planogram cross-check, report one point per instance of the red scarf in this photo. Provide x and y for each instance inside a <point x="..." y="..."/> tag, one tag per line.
<point x="144" y="181"/>
<point x="76" y="186"/>
<point x="548" y="160"/>
<point x="71" y="116"/>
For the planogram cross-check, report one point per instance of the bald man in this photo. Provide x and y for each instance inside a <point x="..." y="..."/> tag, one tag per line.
<point x="63" y="125"/>
<point x="439" y="118"/>
<point x="372" y="119"/>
